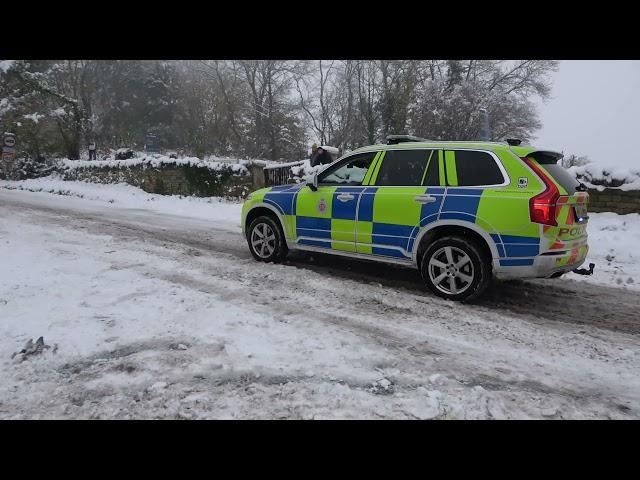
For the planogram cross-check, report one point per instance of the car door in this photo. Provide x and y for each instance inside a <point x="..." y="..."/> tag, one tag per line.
<point x="404" y="192"/>
<point x="480" y="192"/>
<point x="326" y="217"/>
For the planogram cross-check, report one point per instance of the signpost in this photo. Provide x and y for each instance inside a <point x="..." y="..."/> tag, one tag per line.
<point x="151" y="143"/>
<point x="8" y="154"/>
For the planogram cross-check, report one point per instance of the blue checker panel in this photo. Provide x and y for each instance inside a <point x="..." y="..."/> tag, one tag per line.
<point x="345" y="210"/>
<point x="365" y="209"/>
<point x="283" y="200"/>
<point x="429" y="211"/>
<point x="391" y="229"/>
<point x="389" y="234"/>
<point x="515" y="246"/>
<point x="313" y="223"/>
<point x="463" y="204"/>
<point x="521" y="250"/>
<point x="522" y="262"/>
<point x="315" y="243"/>
<point x="514" y="239"/>
<point x="313" y="227"/>
<point x="387" y="252"/>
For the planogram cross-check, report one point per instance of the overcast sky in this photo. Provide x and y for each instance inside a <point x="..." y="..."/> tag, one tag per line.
<point x="594" y="111"/>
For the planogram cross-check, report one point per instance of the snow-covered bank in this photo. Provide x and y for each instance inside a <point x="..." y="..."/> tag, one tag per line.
<point x="614" y="246"/>
<point x="212" y="163"/>
<point x="599" y="177"/>
<point x="221" y="211"/>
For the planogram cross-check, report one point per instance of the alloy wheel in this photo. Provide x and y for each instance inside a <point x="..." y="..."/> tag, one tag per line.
<point x="451" y="270"/>
<point x="263" y="240"/>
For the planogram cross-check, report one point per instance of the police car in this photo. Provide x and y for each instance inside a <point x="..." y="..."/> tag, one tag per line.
<point x="462" y="213"/>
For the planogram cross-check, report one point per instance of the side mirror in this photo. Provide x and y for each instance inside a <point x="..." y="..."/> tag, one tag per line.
<point x="313" y="182"/>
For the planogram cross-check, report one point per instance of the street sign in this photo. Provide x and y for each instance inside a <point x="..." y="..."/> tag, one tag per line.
<point x="9" y="140"/>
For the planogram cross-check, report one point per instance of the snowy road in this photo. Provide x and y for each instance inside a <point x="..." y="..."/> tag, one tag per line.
<point x="168" y="316"/>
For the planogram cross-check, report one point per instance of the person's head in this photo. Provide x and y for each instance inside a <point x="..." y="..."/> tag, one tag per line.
<point x="314" y="147"/>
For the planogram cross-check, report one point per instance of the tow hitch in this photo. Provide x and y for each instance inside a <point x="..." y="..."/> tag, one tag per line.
<point x="584" y="271"/>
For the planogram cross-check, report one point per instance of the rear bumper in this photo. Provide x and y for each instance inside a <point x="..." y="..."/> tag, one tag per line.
<point x="542" y="266"/>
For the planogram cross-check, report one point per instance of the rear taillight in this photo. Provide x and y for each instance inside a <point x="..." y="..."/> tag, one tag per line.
<point x="542" y="207"/>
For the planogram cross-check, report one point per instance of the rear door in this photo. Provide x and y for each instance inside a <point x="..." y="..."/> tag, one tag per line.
<point x="326" y="218"/>
<point x="391" y="208"/>
<point x="481" y="192"/>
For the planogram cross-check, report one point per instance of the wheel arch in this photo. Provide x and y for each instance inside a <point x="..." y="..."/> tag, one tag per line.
<point x="264" y="209"/>
<point x="443" y="228"/>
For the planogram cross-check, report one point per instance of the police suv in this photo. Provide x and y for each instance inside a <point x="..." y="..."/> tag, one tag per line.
<point x="461" y="212"/>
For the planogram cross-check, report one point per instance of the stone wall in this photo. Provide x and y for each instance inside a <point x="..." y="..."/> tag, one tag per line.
<point x="614" y="200"/>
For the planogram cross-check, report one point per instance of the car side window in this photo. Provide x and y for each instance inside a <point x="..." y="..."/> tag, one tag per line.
<point x="471" y="168"/>
<point x="432" y="175"/>
<point x="404" y="167"/>
<point x="350" y="173"/>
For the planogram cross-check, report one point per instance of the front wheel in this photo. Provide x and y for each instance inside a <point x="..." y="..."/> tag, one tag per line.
<point x="266" y="240"/>
<point x="456" y="268"/>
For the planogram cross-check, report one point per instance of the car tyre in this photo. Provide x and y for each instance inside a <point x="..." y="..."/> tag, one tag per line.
<point x="266" y="240"/>
<point x="456" y="268"/>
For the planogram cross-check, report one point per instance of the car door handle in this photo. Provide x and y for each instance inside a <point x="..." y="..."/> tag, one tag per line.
<point x="425" y="199"/>
<point x="345" y="197"/>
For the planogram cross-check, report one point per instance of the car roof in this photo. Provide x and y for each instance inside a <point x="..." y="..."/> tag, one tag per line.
<point x="521" y="151"/>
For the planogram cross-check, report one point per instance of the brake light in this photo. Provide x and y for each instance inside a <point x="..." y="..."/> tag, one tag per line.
<point x="542" y="207"/>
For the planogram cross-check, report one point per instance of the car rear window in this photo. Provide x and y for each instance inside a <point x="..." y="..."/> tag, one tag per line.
<point x="564" y="178"/>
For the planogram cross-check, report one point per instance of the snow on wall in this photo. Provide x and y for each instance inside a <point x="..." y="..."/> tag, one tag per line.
<point x="156" y="161"/>
<point x="598" y="177"/>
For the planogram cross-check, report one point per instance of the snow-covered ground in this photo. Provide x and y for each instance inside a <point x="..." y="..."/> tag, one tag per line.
<point x="158" y="311"/>
<point x="614" y="246"/>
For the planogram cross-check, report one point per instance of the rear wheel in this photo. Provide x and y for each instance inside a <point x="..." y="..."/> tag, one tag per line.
<point x="456" y="268"/>
<point x="266" y="240"/>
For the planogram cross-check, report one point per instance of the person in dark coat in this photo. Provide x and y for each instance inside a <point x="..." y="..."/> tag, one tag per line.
<point x="323" y="157"/>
